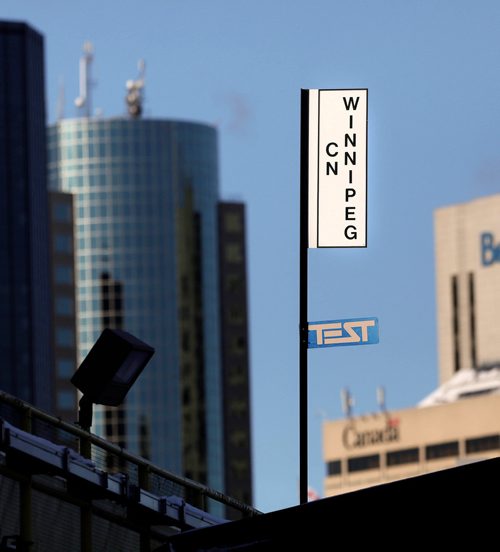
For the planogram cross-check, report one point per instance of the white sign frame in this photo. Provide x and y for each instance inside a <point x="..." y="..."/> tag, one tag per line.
<point x="337" y="167"/>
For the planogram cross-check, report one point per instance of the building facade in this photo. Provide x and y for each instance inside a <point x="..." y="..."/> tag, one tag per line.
<point x="235" y="354"/>
<point x="459" y="422"/>
<point x="374" y="449"/>
<point x="145" y="198"/>
<point x="64" y="309"/>
<point x="467" y="242"/>
<point x="25" y="285"/>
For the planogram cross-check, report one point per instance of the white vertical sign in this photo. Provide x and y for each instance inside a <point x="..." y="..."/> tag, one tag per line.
<point x="337" y="145"/>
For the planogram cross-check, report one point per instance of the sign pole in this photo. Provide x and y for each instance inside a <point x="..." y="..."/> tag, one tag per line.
<point x="303" y="394"/>
<point x="334" y="126"/>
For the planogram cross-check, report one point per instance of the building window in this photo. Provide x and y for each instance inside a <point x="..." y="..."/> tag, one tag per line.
<point x="236" y="378"/>
<point x="333" y="467"/>
<point x="64" y="306"/>
<point x="234" y="283"/>
<point x="233" y="223"/>
<point x="236" y="315"/>
<point x="186" y="341"/>
<point x="62" y="212"/>
<point x="63" y="243"/>
<point x="238" y="345"/>
<point x="66" y="400"/>
<point x="65" y="368"/>
<point x="239" y="469"/>
<point x="456" y="322"/>
<point x="398" y="457"/>
<point x="63" y="274"/>
<point x="65" y="337"/>
<point x="233" y="253"/>
<point x="238" y="439"/>
<point x="472" y="321"/>
<point x="238" y="408"/>
<point x="441" y="450"/>
<point x="480" y="444"/>
<point x="361" y="463"/>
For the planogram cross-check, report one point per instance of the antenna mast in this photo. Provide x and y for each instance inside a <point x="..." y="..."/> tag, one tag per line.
<point x="347" y="402"/>
<point x="83" y="101"/>
<point x="381" y="398"/>
<point x="134" y="98"/>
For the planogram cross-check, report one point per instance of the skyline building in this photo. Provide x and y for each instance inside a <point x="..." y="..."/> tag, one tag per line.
<point x="25" y="283"/>
<point x="146" y="195"/>
<point x="458" y="422"/>
<point x="468" y="285"/>
<point x="140" y="240"/>
<point x="64" y="311"/>
<point x="235" y="352"/>
<point x="454" y="425"/>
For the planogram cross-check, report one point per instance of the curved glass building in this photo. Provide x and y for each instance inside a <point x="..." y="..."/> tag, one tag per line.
<point x="145" y="196"/>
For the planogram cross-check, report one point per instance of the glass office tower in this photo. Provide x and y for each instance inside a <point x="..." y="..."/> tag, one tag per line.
<point x="25" y="302"/>
<point x="145" y="195"/>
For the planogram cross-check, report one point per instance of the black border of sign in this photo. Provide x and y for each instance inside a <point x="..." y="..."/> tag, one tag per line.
<point x="366" y="175"/>
<point x="303" y="269"/>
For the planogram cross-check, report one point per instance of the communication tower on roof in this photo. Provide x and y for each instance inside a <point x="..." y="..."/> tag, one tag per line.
<point x="381" y="398"/>
<point x="134" y="98"/>
<point x="83" y="101"/>
<point x="347" y="402"/>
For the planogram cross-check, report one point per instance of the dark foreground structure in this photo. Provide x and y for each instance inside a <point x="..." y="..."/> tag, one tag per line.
<point x="55" y="497"/>
<point x="63" y="489"/>
<point x="435" y="511"/>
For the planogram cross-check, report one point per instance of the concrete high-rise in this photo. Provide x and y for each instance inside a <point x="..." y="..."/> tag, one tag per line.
<point x="25" y="298"/>
<point x="468" y="285"/>
<point x="145" y="198"/>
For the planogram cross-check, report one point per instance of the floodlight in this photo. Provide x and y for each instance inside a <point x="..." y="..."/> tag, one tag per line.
<point x="109" y="370"/>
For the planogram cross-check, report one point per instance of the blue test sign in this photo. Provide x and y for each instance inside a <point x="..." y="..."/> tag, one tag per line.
<point x="333" y="333"/>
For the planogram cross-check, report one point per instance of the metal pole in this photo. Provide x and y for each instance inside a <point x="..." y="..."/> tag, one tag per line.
<point x="85" y="422"/>
<point x="303" y="441"/>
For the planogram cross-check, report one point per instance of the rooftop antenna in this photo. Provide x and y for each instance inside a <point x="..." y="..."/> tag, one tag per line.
<point x="381" y="398"/>
<point x="347" y="402"/>
<point x="83" y="101"/>
<point x="134" y="98"/>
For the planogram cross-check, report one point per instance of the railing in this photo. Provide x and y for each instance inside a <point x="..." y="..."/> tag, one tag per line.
<point x="140" y="473"/>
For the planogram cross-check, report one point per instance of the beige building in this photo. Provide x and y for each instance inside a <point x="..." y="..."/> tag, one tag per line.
<point x="460" y="421"/>
<point x="467" y="239"/>
<point x="368" y="450"/>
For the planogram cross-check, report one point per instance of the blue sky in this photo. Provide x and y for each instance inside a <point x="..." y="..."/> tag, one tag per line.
<point x="432" y="71"/>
